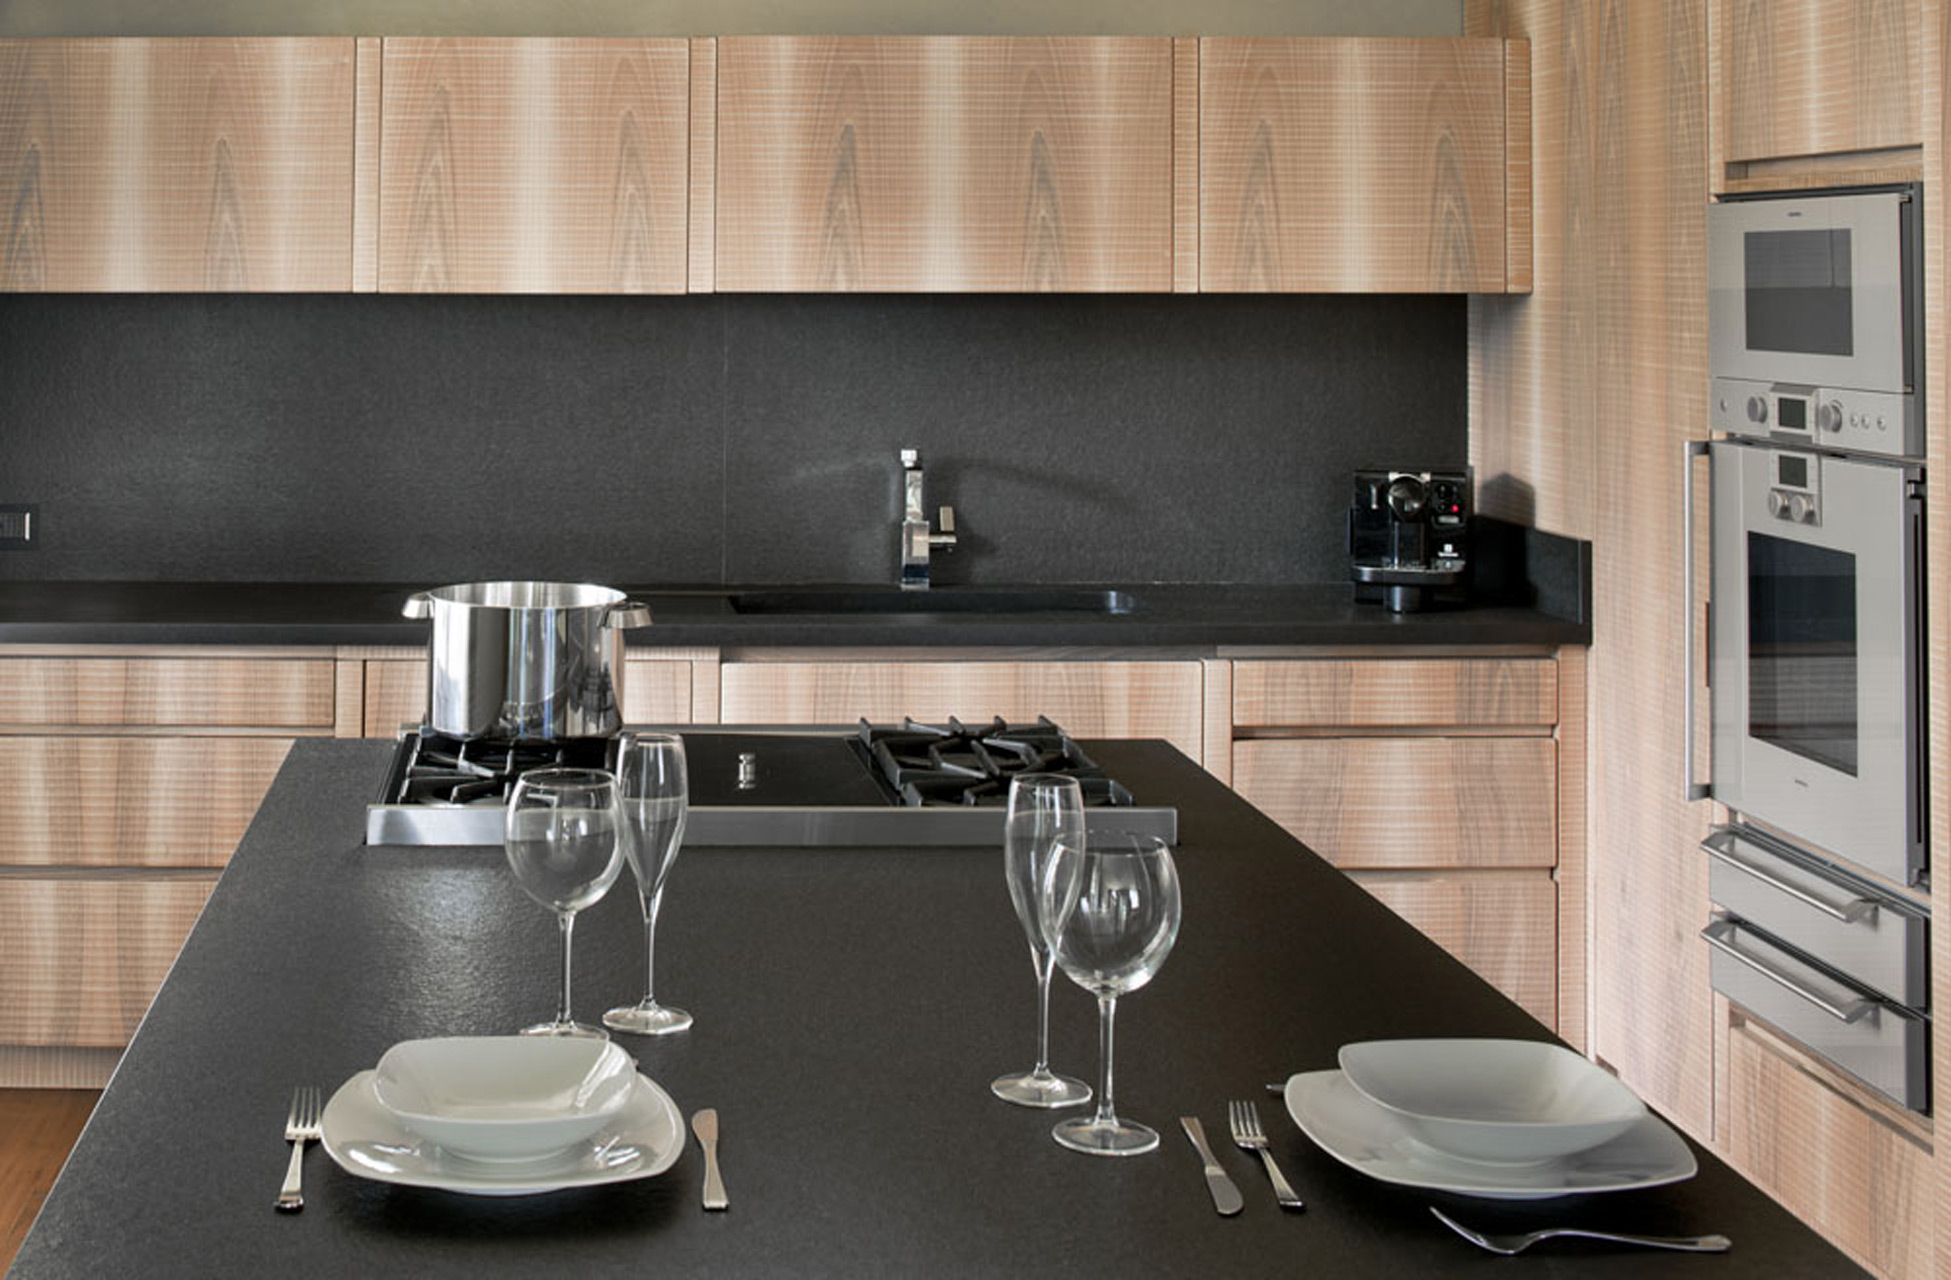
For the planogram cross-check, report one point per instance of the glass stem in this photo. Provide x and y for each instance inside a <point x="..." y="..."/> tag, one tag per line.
<point x="1107" y="1013"/>
<point x="1045" y="962"/>
<point x="568" y="920"/>
<point x="650" y="904"/>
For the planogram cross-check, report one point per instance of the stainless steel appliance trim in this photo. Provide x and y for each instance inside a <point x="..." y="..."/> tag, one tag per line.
<point x="1720" y="935"/>
<point x="1723" y="842"/>
<point x="1691" y="450"/>
<point x="1887" y="1046"/>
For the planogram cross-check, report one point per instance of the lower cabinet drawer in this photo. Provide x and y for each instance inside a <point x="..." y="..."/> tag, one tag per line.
<point x="1848" y="1172"/>
<point x="1503" y="924"/>
<point x="81" y="958"/>
<point x="1884" y="1045"/>
<point x="97" y="802"/>
<point x="1409" y="802"/>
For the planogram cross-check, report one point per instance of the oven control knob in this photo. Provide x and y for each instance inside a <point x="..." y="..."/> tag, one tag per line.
<point x="1777" y="502"/>
<point x="1800" y="509"/>
<point x="1757" y="409"/>
<point x="1830" y="417"/>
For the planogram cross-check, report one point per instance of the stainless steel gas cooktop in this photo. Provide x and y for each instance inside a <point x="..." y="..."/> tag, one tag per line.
<point x="906" y="784"/>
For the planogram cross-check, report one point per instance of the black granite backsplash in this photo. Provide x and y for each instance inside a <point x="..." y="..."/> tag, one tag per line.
<point x="697" y="440"/>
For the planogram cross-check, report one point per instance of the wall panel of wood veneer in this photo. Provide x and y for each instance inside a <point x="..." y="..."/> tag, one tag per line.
<point x="180" y="692"/>
<point x="1503" y="924"/>
<point x="1361" y="165"/>
<point x="81" y="959"/>
<point x="1581" y="397"/>
<point x="1807" y="77"/>
<point x="1089" y="699"/>
<point x="944" y="164"/>
<point x="188" y="164"/>
<point x="104" y="802"/>
<point x="1408" y="803"/>
<point x="534" y="165"/>
<point x="1505" y="692"/>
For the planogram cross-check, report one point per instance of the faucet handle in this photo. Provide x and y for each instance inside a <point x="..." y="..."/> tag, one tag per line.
<point x="911" y="457"/>
<point x="947" y="520"/>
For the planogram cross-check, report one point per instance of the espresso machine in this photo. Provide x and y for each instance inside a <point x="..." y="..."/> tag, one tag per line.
<point x="1408" y="537"/>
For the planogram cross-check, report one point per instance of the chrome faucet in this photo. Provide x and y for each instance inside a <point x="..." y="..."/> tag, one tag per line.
<point x="916" y="540"/>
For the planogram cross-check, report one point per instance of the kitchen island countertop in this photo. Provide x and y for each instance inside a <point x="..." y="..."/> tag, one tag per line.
<point x="852" y="1005"/>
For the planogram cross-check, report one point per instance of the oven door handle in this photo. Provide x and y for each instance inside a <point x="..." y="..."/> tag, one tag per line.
<point x="1723" y="845"/>
<point x="1716" y="936"/>
<point x="1691" y="450"/>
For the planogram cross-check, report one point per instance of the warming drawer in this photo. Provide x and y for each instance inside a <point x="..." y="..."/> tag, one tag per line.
<point x="1870" y="936"/>
<point x="1883" y="1044"/>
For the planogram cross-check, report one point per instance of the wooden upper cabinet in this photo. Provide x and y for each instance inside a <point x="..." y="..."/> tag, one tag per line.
<point x="157" y="165"/>
<point x="945" y="164"/>
<point x="1364" y="165"/>
<point x="1816" y="77"/>
<point x="533" y="165"/>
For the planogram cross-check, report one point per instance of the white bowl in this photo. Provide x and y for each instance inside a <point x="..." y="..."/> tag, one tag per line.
<point x="1506" y="1101"/>
<point x="504" y="1097"/>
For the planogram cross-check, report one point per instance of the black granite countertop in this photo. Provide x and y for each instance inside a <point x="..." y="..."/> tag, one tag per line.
<point x="1165" y="615"/>
<point x="852" y="1006"/>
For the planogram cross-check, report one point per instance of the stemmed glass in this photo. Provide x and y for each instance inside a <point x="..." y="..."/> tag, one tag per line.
<point x="1043" y="808"/>
<point x="560" y="835"/>
<point x="1112" y="915"/>
<point x="652" y="794"/>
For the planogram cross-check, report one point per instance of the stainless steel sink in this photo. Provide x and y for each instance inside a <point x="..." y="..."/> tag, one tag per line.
<point x="939" y="600"/>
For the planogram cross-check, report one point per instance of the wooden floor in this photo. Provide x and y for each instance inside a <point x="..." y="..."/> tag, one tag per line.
<point x="37" y="1127"/>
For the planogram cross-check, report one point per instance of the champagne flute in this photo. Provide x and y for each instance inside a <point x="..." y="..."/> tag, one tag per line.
<point x="560" y="835"/>
<point x="652" y="794"/>
<point x="1043" y="808"/>
<point x="1112" y="914"/>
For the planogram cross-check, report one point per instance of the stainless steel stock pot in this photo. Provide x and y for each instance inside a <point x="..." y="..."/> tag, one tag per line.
<point x="531" y="660"/>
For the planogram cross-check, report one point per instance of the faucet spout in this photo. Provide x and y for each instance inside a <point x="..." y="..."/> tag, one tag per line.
<point x="918" y="542"/>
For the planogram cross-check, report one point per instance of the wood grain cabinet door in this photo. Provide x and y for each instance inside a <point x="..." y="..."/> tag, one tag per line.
<point x="945" y="164"/>
<point x="533" y="165"/>
<point x="1816" y="77"/>
<point x="189" y="164"/>
<point x="1363" y="165"/>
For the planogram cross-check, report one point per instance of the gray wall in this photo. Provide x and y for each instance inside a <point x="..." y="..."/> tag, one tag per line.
<point x="710" y="439"/>
<point x="729" y="17"/>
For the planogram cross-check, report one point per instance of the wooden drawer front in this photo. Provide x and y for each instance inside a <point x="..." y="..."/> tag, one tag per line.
<point x="1399" y="693"/>
<point x="1409" y="802"/>
<point x="1503" y="924"/>
<point x="1088" y="699"/>
<point x="1838" y="1166"/>
<point x="81" y="959"/>
<point x="276" y="693"/>
<point x="177" y="164"/>
<point x="163" y="802"/>
<point x="944" y="164"/>
<point x="534" y="165"/>
<point x="654" y="692"/>
<point x="1809" y="77"/>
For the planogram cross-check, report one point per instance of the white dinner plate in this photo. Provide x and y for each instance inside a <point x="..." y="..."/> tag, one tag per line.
<point x="1375" y="1141"/>
<point x="365" y="1139"/>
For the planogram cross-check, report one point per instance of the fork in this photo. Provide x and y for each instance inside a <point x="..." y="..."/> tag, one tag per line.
<point x="301" y="1126"/>
<point x="1511" y="1244"/>
<point x="1244" y="1120"/>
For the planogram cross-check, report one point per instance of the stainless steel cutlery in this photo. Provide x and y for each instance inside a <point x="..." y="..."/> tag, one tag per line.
<point x="1518" y="1243"/>
<point x="1244" y="1120"/>
<point x="301" y="1126"/>
<point x="1226" y="1196"/>
<point x="705" y="1125"/>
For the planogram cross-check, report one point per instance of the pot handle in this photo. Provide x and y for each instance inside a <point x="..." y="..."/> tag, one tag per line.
<point x="627" y="614"/>
<point x="418" y="605"/>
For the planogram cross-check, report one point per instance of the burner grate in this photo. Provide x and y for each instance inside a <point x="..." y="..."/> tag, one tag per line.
<point x="446" y="770"/>
<point x="955" y="764"/>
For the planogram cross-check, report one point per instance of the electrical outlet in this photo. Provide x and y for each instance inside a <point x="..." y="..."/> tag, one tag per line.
<point x="20" y="526"/>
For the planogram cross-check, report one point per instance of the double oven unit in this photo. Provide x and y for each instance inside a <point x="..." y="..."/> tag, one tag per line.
<point x="1815" y="627"/>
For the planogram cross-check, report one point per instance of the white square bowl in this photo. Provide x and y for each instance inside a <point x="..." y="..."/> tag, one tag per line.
<point x="504" y="1097"/>
<point x="1504" y="1101"/>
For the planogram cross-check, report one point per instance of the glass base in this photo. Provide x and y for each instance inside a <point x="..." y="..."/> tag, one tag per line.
<point x="1112" y="1137"/>
<point x="647" y="1018"/>
<point x="582" y="1029"/>
<point x="1040" y="1089"/>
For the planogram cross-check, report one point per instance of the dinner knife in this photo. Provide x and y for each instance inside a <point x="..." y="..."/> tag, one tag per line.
<point x="1226" y="1196"/>
<point x="705" y="1125"/>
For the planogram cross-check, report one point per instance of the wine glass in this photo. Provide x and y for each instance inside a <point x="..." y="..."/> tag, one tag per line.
<point x="561" y="840"/>
<point x="652" y="795"/>
<point x="1112" y="915"/>
<point x="1043" y="808"/>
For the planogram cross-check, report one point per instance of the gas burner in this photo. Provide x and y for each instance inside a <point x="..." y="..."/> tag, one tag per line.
<point x="446" y="770"/>
<point x="959" y="765"/>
